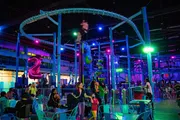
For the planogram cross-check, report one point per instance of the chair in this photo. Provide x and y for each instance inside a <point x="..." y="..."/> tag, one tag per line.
<point x="73" y="114"/>
<point x="24" y="112"/>
<point x="8" y="116"/>
<point x="145" y="116"/>
<point x="1" y="109"/>
<point x="110" y="116"/>
<point x="12" y="103"/>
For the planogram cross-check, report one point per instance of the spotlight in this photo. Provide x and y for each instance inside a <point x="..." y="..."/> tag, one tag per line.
<point x="148" y="49"/>
<point x="36" y="41"/>
<point x="62" y="49"/>
<point x="75" y="33"/>
<point x="108" y="50"/>
<point x="122" y="48"/>
<point x="100" y="28"/>
<point x="119" y="70"/>
<point x="116" y="62"/>
<point x="172" y="57"/>
<point x="93" y="44"/>
<point x="77" y="54"/>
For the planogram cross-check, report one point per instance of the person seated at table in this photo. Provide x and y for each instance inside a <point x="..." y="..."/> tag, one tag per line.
<point x="54" y="100"/>
<point x="10" y="93"/>
<point x="23" y="107"/>
<point x="12" y="102"/>
<point x="3" y="102"/>
<point x="148" y="91"/>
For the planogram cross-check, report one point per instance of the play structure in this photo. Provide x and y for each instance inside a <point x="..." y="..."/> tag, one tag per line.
<point x="83" y="47"/>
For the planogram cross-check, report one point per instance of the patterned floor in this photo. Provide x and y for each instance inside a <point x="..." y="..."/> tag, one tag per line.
<point x="166" y="110"/>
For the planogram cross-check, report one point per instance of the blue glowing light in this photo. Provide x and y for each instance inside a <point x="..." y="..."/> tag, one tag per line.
<point x="93" y="44"/>
<point x="62" y="49"/>
<point x="122" y="48"/>
<point x="99" y="28"/>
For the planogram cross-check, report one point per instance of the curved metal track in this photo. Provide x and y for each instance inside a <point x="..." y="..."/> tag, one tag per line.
<point x="72" y="11"/>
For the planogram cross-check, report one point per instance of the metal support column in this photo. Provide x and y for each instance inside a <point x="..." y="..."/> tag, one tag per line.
<point x="142" y="70"/>
<point x="26" y="61"/>
<point x="75" y="63"/>
<point x="59" y="52"/>
<point x="99" y="51"/>
<point x="54" y="60"/>
<point x="148" y="42"/>
<point x="17" y="55"/>
<point x="129" y="67"/>
<point x="82" y="63"/>
<point x="112" y="59"/>
<point x="159" y="66"/>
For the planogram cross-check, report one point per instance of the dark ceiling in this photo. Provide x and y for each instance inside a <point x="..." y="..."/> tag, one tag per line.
<point x="163" y="16"/>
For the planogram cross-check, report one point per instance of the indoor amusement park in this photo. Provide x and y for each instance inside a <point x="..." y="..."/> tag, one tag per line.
<point x="90" y="60"/>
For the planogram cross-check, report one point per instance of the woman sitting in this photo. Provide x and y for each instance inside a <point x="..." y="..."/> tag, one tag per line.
<point x="54" y="100"/>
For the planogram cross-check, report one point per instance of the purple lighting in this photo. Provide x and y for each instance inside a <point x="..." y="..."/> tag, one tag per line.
<point x="77" y="54"/>
<point x="108" y="50"/>
<point x="139" y="60"/>
<point x="172" y="57"/>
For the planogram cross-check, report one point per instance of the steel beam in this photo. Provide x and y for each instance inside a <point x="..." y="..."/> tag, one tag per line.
<point x="59" y="52"/>
<point x="50" y="18"/>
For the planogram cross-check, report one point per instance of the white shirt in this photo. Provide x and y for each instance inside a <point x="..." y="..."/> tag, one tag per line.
<point x="148" y="87"/>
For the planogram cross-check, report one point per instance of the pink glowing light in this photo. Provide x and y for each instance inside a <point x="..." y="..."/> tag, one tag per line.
<point x="36" y="41"/>
<point x="139" y="60"/>
<point x="112" y="40"/>
<point x="77" y="54"/>
<point x="108" y="50"/>
<point x="172" y="57"/>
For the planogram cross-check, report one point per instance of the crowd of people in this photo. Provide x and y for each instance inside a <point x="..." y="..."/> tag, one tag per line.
<point x="96" y="94"/>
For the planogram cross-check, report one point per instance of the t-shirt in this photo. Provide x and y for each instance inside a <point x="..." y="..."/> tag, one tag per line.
<point x="94" y="104"/>
<point x="148" y="88"/>
<point x="33" y="90"/>
<point x="80" y="96"/>
<point x="3" y="104"/>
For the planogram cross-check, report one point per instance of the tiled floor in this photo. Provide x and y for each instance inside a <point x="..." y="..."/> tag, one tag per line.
<point x="166" y="110"/>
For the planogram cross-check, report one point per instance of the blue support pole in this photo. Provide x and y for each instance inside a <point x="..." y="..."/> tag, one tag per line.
<point x="117" y="41"/>
<point x="141" y="57"/>
<point x="59" y="52"/>
<point x="75" y="63"/>
<point x="159" y="65"/>
<point x="26" y="61"/>
<point x="130" y="18"/>
<point x="54" y="60"/>
<point x="135" y="45"/>
<point x="129" y="67"/>
<point x="148" y="42"/>
<point x="82" y="63"/>
<point x="17" y="55"/>
<point x="112" y="59"/>
<point x="99" y="51"/>
<point x="50" y="18"/>
<point x="41" y="35"/>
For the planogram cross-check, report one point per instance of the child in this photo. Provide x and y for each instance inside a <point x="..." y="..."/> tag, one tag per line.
<point x="94" y="107"/>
